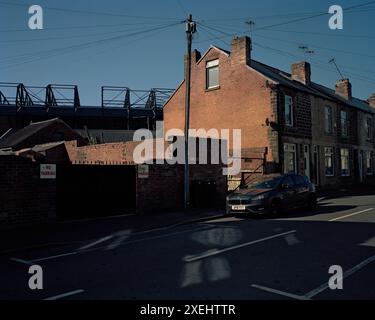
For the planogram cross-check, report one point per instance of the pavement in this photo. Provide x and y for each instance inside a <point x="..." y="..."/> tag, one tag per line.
<point x="214" y="257"/>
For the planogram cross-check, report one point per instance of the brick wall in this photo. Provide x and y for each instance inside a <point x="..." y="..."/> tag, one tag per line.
<point x="301" y="113"/>
<point x="243" y="100"/>
<point x="24" y="197"/>
<point x="102" y="154"/>
<point x="163" y="190"/>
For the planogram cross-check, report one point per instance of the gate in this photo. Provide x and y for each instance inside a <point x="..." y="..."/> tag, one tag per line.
<point x="86" y="191"/>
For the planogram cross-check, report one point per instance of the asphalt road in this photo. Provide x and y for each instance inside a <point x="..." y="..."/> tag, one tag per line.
<point x="228" y="258"/>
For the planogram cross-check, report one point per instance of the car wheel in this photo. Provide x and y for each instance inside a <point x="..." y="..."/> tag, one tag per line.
<point x="275" y="208"/>
<point x="312" y="203"/>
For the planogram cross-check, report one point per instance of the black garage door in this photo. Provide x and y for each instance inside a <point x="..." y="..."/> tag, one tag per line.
<point x="85" y="191"/>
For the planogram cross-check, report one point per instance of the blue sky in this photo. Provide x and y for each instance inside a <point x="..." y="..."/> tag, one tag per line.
<point x="133" y="43"/>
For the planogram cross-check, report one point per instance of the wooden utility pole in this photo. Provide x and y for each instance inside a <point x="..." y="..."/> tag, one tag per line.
<point x="190" y="30"/>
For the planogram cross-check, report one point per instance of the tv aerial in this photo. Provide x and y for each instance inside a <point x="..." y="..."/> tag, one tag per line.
<point x="333" y="61"/>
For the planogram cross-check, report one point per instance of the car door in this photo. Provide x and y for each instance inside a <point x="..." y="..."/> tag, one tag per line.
<point x="302" y="190"/>
<point x="289" y="194"/>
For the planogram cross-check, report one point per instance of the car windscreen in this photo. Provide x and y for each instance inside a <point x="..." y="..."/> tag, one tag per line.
<point x="266" y="184"/>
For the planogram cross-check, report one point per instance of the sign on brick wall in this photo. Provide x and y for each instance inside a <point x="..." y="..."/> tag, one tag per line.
<point x="47" y="171"/>
<point x="143" y="171"/>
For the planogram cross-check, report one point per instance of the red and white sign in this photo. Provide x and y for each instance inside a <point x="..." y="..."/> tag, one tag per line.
<point x="47" y="171"/>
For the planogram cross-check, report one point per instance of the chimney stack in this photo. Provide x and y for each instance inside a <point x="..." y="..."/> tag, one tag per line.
<point x="301" y="71"/>
<point x="195" y="56"/>
<point x="371" y="100"/>
<point x="241" y="50"/>
<point x="344" y="88"/>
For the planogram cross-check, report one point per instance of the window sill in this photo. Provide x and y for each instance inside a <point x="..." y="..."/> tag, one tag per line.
<point x="329" y="175"/>
<point x="212" y="88"/>
<point x="345" y="175"/>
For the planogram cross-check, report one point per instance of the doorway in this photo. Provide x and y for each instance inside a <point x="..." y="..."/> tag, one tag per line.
<point x="306" y="157"/>
<point x="316" y="168"/>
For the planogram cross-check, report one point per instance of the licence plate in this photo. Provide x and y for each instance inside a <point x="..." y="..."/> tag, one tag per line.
<point x="238" y="208"/>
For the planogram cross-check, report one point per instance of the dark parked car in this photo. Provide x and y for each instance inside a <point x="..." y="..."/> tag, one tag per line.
<point x="273" y="195"/>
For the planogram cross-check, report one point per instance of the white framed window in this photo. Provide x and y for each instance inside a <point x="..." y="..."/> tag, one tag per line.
<point x="328" y="119"/>
<point x="344" y="119"/>
<point x="369" y="162"/>
<point x="212" y="74"/>
<point x="345" y="167"/>
<point x="288" y="111"/>
<point x="329" y="160"/>
<point x="369" y="129"/>
<point x="290" y="158"/>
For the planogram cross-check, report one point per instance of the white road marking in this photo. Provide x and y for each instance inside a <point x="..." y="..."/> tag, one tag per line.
<point x="346" y="274"/>
<point x="216" y="252"/>
<point x="96" y="242"/>
<point x="166" y="235"/>
<point x="64" y="295"/>
<point x="319" y="289"/>
<point x="124" y="243"/>
<point x="56" y="256"/>
<point x="281" y="293"/>
<point x="350" y="215"/>
<point x="27" y="262"/>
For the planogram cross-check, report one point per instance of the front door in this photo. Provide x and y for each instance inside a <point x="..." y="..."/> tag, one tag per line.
<point x="316" y="166"/>
<point x="360" y="165"/>
<point x="306" y="156"/>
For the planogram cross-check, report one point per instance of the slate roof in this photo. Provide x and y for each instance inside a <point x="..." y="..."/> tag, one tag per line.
<point x="26" y="132"/>
<point x="285" y="79"/>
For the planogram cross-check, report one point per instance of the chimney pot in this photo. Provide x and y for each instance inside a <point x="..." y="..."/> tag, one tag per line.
<point x="301" y="71"/>
<point x="371" y="100"/>
<point x="344" y="88"/>
<point x="195" y="56"/>
<point x="241" y="50"/>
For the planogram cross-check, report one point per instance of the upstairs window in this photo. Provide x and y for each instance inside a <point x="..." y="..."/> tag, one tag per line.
<point x="369" y="131"/>
<point x="328" y="120"/>
<point x="212" y="74"/>
<point x="344" y="118"/>
<point x="288" y="111"/>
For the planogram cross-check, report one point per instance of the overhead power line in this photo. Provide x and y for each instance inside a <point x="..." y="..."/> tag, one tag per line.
<point x="320" y="64"/>
<point x="317" y="46"/>
<point x="179" y="2"/>
<point x="314" y="16"/>
<point x="110" y="14"/>
<point x="279" y="16"/>
<point x="70" y="36"/>
<point x="317" y="63"/>
<point x="27" y="58"/>
<point x="83" y="27"/>
<point x="358" y="36"/>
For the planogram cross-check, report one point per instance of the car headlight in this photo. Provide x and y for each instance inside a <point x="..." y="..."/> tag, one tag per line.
<point x="260" y="197"/>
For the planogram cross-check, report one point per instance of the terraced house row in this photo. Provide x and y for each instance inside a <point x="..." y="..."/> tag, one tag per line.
<point x="292" y="123"/>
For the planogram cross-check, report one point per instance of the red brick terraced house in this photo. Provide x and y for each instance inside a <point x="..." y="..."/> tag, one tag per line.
<point x="292" y="123"/>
